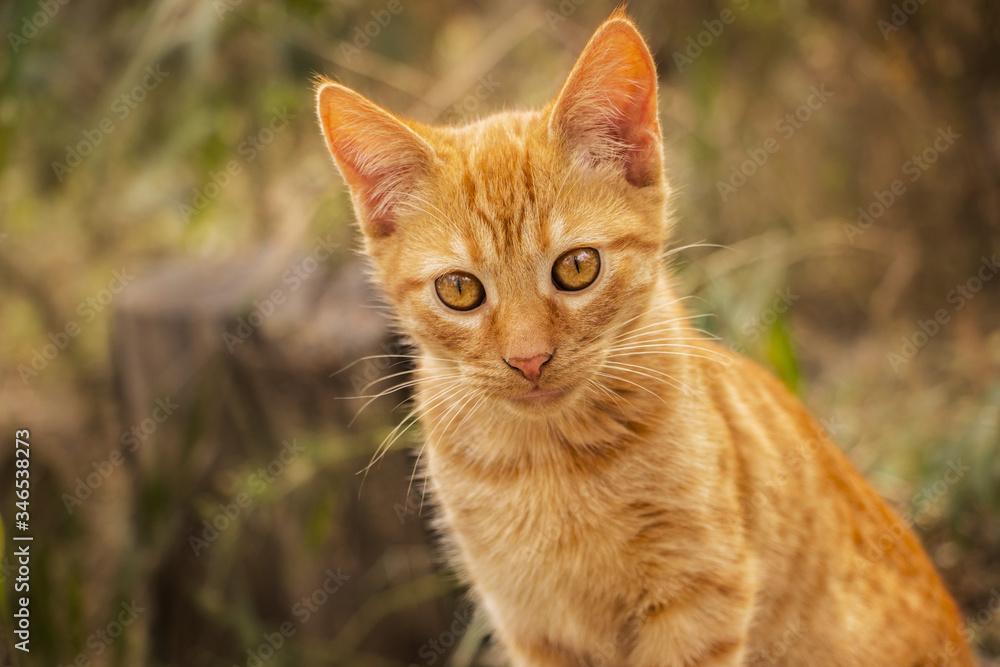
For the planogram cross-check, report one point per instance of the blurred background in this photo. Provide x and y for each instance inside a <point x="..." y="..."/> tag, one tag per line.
<point x="180" y="287"/>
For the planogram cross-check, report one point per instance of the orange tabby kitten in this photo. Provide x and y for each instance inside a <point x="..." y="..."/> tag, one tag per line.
<point x="616" y="489"/>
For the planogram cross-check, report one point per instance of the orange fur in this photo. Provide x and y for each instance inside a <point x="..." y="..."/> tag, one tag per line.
<point x="649" y="498"/>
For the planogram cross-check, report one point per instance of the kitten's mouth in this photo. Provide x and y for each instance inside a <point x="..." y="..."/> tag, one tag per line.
<point x="539" y="396"/>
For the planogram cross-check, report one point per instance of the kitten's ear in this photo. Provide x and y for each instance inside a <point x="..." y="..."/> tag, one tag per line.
<point x="380" y="157"/>
<point x="607" y="110"/>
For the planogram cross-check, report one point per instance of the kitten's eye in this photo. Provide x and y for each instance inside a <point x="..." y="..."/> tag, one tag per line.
<point x="460" y="290"/>
<point x="576" y="269"/>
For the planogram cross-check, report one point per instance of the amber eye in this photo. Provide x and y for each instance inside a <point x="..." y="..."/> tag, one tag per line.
<point x="460" y="290"/>
<point x="576" y="269"/>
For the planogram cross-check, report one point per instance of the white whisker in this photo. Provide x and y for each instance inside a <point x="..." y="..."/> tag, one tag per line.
<point x="391" y="390"/>
<point x="655" y="309"/>
<point x="472" y="411"/>
<point x="400" y="385"/>
<point x="460" y="407"/>
<point x="634" y="333"/>
<point x="697" y="244"/>
<point x="621" y="379"/>
<point x="404" y="424"/>
<point x="719" y="360"/>
<point x="641" y="370"/>
<point x="416" y="467"/>
<point x="615" y="397"/>
<point x="648" y="337"/>
<point x="365" y="388"/>
<point x="422" y="392"/>
<point x="389" y="356"/>
<point x="651" y="345"/>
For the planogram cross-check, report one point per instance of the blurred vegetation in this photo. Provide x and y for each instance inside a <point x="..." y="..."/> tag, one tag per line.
<point x="161" y="139"/>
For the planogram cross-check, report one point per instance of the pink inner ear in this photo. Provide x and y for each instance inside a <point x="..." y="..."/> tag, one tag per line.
<point x="607" y="108"/>
<point x="380" y="158"/>
<point x="379" y="180"/>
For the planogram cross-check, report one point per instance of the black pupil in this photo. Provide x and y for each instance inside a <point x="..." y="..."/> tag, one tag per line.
<point x="576" y="262"/>
<point x="458" y="283"/>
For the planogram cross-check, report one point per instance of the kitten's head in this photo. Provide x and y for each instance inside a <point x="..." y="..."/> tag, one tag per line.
<point x="515" y="247"/>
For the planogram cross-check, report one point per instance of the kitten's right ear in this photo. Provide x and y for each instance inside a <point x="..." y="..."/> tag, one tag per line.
<point x="379" y="156"/>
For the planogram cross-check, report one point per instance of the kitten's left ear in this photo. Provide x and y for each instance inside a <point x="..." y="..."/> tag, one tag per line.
<point x="380" y="157"/>
<point x="607" y="109"/>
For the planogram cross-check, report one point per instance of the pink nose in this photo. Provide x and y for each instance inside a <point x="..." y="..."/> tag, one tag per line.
<point x="530" y="367"/>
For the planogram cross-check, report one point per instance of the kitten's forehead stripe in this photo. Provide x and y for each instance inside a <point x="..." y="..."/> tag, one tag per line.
<point x="469" y="231"/>
<point x="529" y="179"/>
<point x="500" y="189"/>
<point x="469" y="184"/>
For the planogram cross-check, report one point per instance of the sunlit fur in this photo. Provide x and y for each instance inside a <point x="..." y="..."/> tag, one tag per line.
<point x="675" y="506"/>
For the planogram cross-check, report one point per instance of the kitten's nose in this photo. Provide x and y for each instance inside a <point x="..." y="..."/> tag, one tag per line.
<point x="530" y="367"/>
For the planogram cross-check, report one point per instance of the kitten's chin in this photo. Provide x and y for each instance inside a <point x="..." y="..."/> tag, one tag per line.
<point x="540" y="402"/>
<point x="539" y="396"/>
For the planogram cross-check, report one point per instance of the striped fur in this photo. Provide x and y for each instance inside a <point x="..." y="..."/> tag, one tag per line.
<point x="674" y="505"/>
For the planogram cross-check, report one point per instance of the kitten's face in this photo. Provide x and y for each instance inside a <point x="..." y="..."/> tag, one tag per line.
<point x="516" y="248"/>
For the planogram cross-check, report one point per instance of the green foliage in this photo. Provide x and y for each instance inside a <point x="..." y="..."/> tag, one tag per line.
<point x="782" y="356"/>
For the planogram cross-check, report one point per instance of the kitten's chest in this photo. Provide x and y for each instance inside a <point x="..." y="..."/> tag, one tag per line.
<point x="541" y="547"/>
